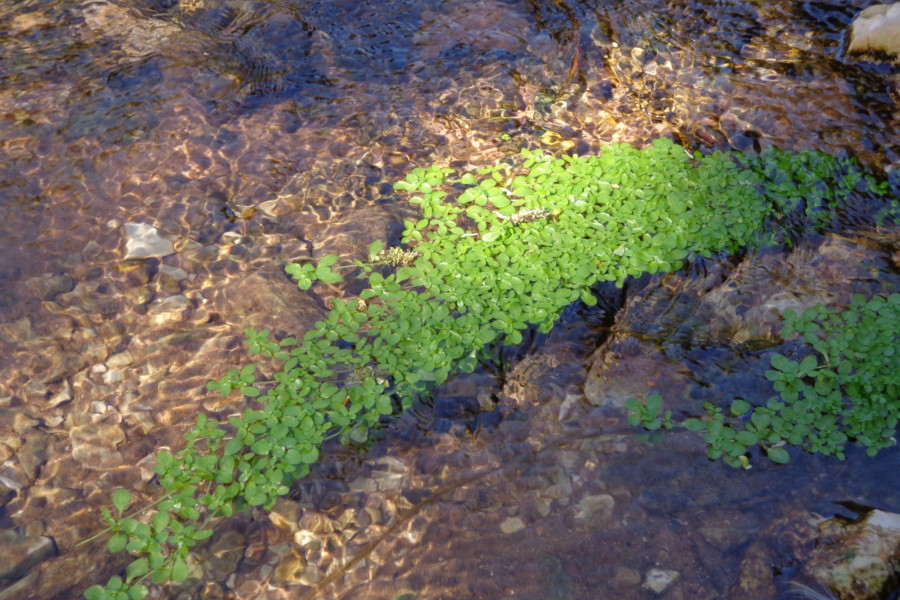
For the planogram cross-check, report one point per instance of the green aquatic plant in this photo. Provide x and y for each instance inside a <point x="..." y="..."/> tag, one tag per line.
<point x="809" y="187"/>
<point x="843" y="385"/>
<point x="649" y="414"/>
<point x="848" y="389"/>
<point x="496" y="250"/>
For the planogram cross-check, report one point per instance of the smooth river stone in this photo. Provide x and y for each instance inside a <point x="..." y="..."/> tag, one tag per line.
<point x="876" y="28"/>
<point x="143" y="241"/>
<point x="95" y="445"/>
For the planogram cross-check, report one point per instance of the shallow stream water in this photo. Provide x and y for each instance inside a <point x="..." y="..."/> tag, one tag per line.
<point x="250" y="134"/>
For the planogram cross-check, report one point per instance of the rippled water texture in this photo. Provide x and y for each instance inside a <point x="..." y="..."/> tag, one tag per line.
<point x="253" y="133"/>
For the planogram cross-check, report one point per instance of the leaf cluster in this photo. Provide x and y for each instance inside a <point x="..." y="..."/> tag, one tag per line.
<point x="805" y="189"/>
<point x="849" y="389"/>
<point x="846" y="387"/>
<point x="648" y="414"/>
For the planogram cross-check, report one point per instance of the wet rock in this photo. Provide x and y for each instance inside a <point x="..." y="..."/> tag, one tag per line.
<point x="174" y="273"/>
<point x="17" y="331"/>
<point x="561" y="488"/>
<point x="12" y="477"/>
<point x="5" y="451"/>
<point x="113" y="376"/>
<point x="877" y="28"/>
<point x="316" y="523"/>
<point x="49" y="285"/>
<point x="224" y="555"/>
<point x="33" y="390"/>
<point x="265" y="301"/>
<point x="111" y="334"/>
<point x="95" y="446"/>
<point x="616" y="377"/>
<point x="143" y="241"/>
<point x="19" y="553"/>
<point x="346" y="518"/>
<point x="659" y="580"/>
<point x="6" y="494"/>
<point x="63" y="395"/>
<point x="56" y="363"/>
<point x="54" y="421"/>
<point x="169" y="278"/>
<point x="250" y="588"/>
<point x="486" y="24"/>
<point x="860" y="561"/>
<point x="137" y="36"/>
<point x="121" y="359"/>
<point x="285" y="514"/>
<point x="22" y="588"/>
<point x="23" y="22"/>
<point x="33" y="453"/>
<point x="389" y="481"/>
<point x="363" y="484"/>
<point x="307" y="539"/>
<point x="511" y="525"/>
<point x="730" y="532"/>
<point x="22" y="423"/>
<point x="138" y="295"/>
<point x="390" y="464"/>
<point x="787" y="540"/>
<point x="595" y="507"/>
<point x="91" y="249"/>
<point x="625" y="577"/>
<point x="289" y="571"/>
<point x="169" y="310"/>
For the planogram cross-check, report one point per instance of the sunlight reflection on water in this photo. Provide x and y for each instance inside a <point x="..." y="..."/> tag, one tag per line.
<point x="250" y="133"/>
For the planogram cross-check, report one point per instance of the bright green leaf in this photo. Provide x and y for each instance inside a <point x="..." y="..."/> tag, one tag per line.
<point x="121" y="499"/>
<point x="778" y="455"/>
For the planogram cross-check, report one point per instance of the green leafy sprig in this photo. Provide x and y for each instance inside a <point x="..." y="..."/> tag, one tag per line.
<point x="846" y="389"/>
<point x="806" y="189"/>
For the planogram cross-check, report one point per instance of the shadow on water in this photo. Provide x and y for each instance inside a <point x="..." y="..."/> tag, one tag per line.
<point x="241" y="56"/>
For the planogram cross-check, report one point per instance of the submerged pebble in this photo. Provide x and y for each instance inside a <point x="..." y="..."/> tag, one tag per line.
<point x="144" y="241"/>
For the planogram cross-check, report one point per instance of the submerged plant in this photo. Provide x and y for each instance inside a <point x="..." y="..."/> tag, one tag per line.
<point x="809" y="187"/>
<point x="649" y="413"/>
<point x="495" y="251"/>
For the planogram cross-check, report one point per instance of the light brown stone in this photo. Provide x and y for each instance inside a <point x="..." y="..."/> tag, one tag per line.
<point x="20" y="553"/>
<point x="876" y="28"/>
<point x="511" y="525"/>
<point x="95" y="446"/>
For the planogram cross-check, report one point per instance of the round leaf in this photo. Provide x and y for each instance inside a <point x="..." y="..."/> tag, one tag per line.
<point x="95" y="592"/>
<point x="740" y="407"/>
<point x="778" y="455"/>
<point x="137" y="568"/>
<point x="780" y="362"/>
<point x="693" y="424"/>
<point x="117" y="542"/>
<point x="180" y="570"/>
<point x="121" y="499"/>
<point x="746" y="438"/>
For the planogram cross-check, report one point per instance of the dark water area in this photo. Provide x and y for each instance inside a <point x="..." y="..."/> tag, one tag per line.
<point x="249" y="134"/>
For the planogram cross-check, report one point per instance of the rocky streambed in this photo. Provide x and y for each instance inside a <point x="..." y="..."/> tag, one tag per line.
<point x="161" y="164"/>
